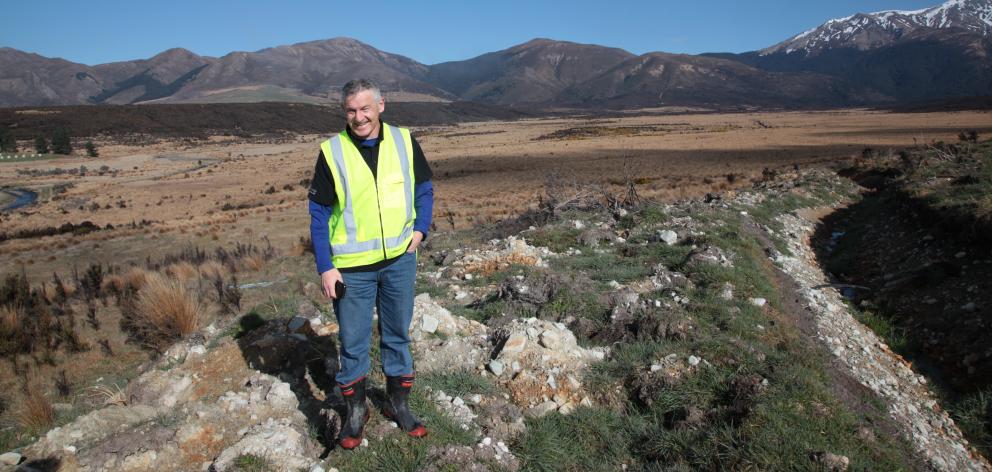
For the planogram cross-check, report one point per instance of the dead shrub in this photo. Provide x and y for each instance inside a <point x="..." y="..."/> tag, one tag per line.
<point x="228" y="295"/>
<point x="113" y="284"/>
<point x="491" y="266"/>
<point x="67" y="335"/>
<point x="163" y="311"/>
<point x="36" y="413"/>
<point x="91" y="281"/>
<point x="63" y="386"/>
<point x="111" y="395"/>
<point x="301" y="247"/>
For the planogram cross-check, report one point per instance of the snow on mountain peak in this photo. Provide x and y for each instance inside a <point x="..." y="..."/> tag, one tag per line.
<point x="870" y="30"/>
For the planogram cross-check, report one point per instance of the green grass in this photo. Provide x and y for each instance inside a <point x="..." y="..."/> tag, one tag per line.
<point x="604" y="266"/>
<point x="961" y="185"/>
<point x="458" y="383"/>
<point x="571" y="300"/>
<point x="9" y="440"/>
<point x="430" y="287"/>
<point x="253" y="463"/>
<point x="586" y="439"/>
<point x="777" y="427"/>
<point x="650" y="216"/>
<point x="31" y="157"/>
<point x="556" y="238"/>
<point x="895" y="336"/>
<point x="973" y="414"/>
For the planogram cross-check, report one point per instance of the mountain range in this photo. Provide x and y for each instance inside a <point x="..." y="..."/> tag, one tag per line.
<point x="872" y="58"/>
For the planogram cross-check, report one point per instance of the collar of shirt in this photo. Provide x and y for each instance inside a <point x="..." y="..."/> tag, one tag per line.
<point x="366" y="143"/>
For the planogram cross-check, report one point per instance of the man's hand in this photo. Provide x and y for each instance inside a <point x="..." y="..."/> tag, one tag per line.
<point x="417" y="238"/>
<point x="327" y="281"/>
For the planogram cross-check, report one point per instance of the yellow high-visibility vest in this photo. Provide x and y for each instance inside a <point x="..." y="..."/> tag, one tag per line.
<point x="372" y="219"/>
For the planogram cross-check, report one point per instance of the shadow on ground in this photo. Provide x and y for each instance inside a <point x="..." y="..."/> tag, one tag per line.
<point x="307" y="362"/>
<point x="921" y="279"/>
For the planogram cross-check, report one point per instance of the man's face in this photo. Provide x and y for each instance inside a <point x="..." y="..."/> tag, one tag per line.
<point x="362" y="111"/>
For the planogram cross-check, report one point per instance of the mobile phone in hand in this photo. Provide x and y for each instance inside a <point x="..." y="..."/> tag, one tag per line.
<point x="339" y="288"/>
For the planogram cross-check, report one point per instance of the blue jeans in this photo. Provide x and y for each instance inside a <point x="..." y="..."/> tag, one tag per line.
<point x="391" y="290"/>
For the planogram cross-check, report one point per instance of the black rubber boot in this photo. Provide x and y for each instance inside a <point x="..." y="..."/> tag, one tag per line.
<point x="397" y="409"/>
<point x="353" y="423"/>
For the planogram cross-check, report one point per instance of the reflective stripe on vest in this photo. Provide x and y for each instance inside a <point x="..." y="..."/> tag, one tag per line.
<point x="352" y="251"/>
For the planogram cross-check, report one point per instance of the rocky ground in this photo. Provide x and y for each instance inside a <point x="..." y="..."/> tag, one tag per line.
<point x="613" y="339"/>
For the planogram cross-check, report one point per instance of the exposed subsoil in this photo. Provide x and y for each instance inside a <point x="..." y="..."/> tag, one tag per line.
<point x="929" y="275"/>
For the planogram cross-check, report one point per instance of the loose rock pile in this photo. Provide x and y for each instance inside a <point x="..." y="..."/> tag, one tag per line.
<point x="195" y="409"/>
<point x="539" y="362"/>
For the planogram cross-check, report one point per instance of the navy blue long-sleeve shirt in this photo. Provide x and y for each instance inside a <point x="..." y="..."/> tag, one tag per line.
<point x="322" y="198"/>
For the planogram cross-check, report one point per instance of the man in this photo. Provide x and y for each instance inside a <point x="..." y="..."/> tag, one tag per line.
<point x="371" y="201"/>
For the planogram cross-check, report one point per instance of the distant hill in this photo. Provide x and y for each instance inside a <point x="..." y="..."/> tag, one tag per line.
<point x="864" y="59"/>
<point x="305" y="72"/>
<point x="660" y="79"/>
<point x="538" y="71"/>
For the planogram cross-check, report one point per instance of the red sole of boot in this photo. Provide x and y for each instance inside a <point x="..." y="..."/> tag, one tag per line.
<point x="351" y="443"/>
<point x="418" y="432"/>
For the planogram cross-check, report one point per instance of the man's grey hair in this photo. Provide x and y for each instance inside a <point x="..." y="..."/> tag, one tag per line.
<point x="360" y="85"/>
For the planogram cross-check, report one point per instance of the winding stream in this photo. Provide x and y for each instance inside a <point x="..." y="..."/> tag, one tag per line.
<point x="22" y="198"/>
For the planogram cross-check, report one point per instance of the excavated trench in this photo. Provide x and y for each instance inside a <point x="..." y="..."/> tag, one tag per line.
<point x="887" y="271"/>
<point x="926" y="276"/>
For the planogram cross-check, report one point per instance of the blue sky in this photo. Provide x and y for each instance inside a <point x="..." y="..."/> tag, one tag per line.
<point x="99" y="31"/>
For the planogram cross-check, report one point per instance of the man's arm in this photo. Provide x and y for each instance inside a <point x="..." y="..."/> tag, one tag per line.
<point x="321" y="202"/>
<point x="320" y="234"/>
<point x="423" y="199"/>
<point x="424" y="203"/>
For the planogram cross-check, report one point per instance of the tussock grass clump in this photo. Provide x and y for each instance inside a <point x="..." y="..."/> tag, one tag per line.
<point x="10" y="330"/>
<point x="49" y="291"/>
<point x="135" y="277"/>
<point x="213" y="270"/>
<point x="164" y="311"/>
<point x="36" y="412"/>
<point x="183" y="271"/>
<point x="253" y="262"/>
